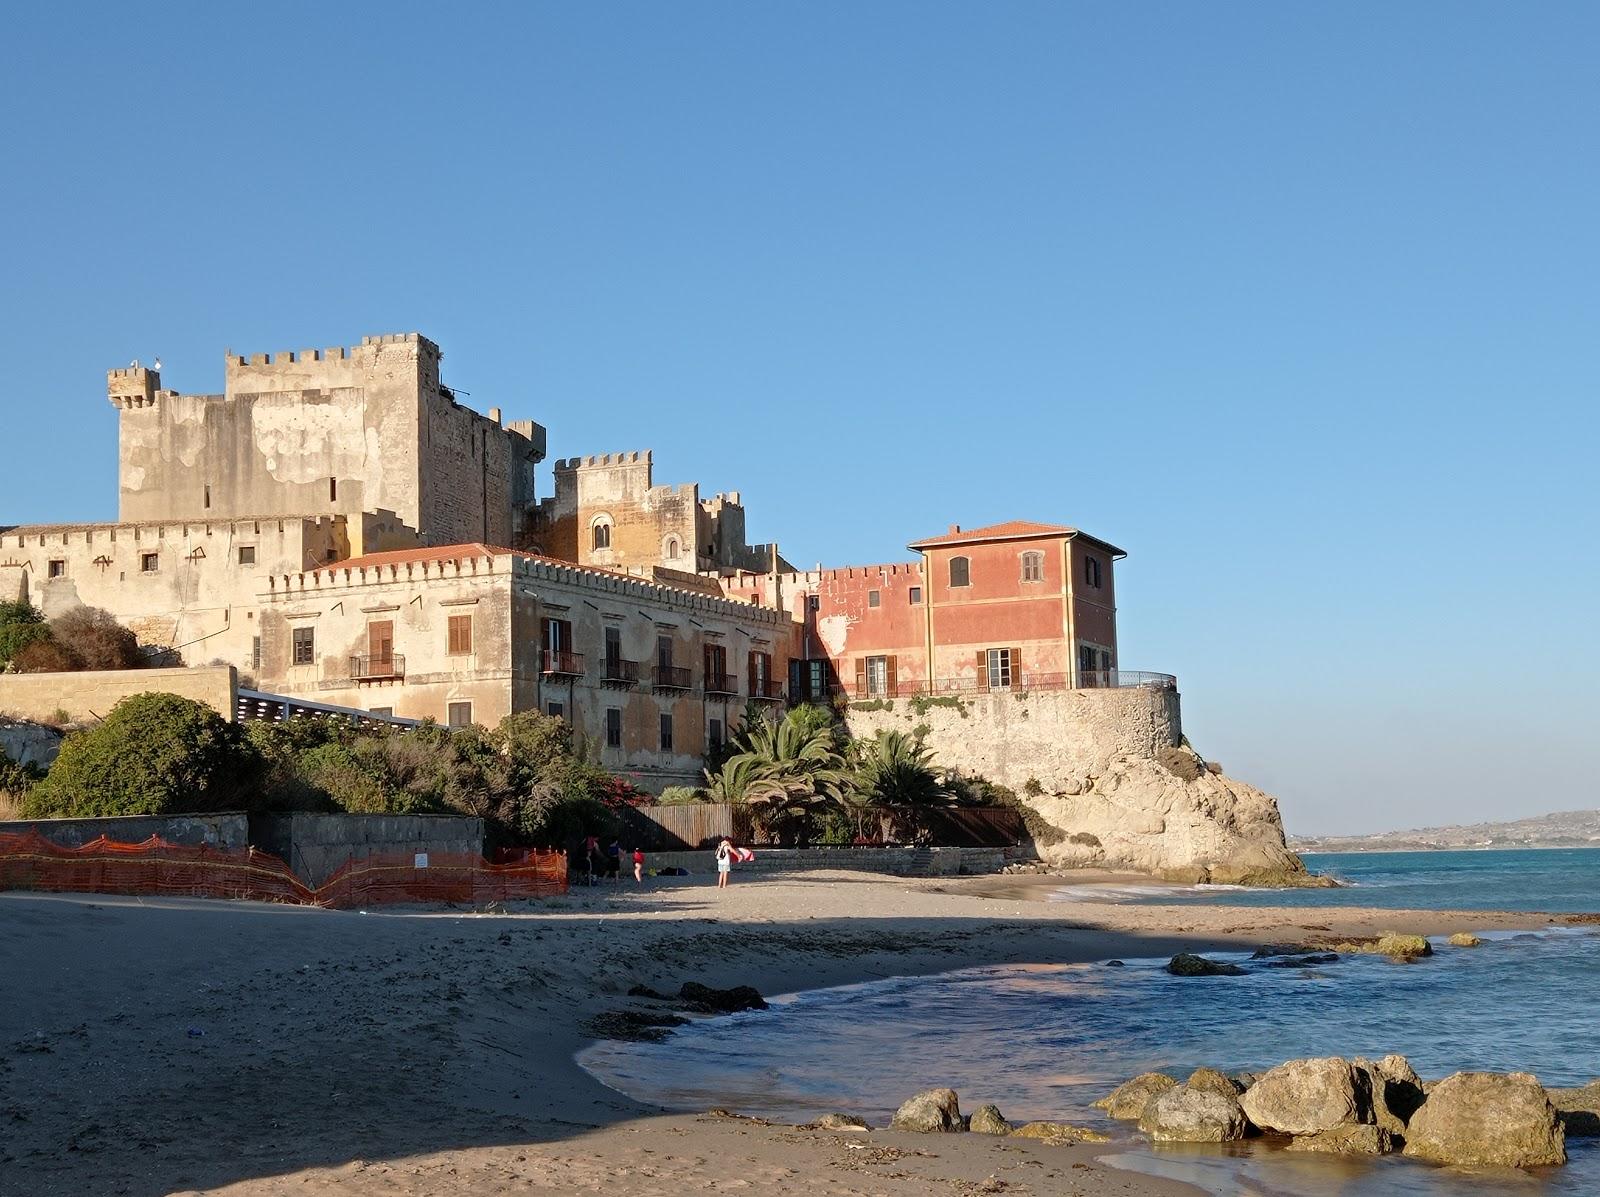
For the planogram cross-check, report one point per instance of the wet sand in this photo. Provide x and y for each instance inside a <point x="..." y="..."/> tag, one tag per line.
<point x="153" y="1047"/>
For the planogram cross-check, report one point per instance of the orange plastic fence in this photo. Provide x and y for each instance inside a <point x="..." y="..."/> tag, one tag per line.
<point x="29" y="861"/>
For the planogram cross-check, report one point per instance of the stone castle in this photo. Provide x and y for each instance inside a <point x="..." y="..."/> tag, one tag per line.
<point x="344" y="532"/>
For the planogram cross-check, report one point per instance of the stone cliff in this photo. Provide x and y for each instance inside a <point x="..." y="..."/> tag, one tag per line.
<point x="1108" y="779"/>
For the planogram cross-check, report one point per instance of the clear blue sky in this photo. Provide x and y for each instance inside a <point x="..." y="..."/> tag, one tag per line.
<point x="1296" y="303"/>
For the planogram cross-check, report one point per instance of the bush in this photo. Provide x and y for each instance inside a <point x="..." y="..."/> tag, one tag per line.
<point x="155" y="754"/>
<point x="96" y="640"/>
<point x="20" y="626"/>
<point x="681" y="796"/>
<point x="17" y="780"/>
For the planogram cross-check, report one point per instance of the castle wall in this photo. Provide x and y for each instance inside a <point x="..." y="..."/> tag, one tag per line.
<point x="91" y="695"/>
<point x="186" y="586"/>
<point x="648" y="524"/>
<point x="345" y="430"/>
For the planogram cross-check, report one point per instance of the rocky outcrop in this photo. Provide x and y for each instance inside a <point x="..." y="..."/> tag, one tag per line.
<point x="1186" y="1115"/>
<point x="929" y="1112"/>
<point x="1465" y="939"/>
<point x="837" y="1122"/>
<point x="1128" y="1100"/>
<point x="29" y="743"/>
<point x="1187" y="964"/>
<point x="1059" y="1132"/>
<point x="1396" y="1092"/>
<point x="703" y="999"/>
<point x="1109" y="779"/>
<point x="1578" y="1109"/>
<point x="987" y="1120"/>
<point x="1307" y="1097"/>
<point x="1354" y="1139"/>
<point x="1485" y="1119"/>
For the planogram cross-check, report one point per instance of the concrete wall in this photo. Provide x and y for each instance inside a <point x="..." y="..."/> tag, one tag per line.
<point x="218" y="831"/>
<point x="1060" y="739"/>
<point x="901" y="862"/>
<point x="316" y="846"/>
<point x="91" y="695"/>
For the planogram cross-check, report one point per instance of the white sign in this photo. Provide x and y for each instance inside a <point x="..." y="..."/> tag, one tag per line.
<point x="420" y="861"/>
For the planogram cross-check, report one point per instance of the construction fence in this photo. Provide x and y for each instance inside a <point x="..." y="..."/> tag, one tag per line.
<point x="157" y="868"/>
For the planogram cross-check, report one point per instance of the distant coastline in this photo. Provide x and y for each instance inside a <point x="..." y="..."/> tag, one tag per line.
<point x="1561" y="829"/>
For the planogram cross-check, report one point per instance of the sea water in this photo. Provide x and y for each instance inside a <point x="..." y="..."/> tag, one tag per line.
<point x="1045" y="1040"/>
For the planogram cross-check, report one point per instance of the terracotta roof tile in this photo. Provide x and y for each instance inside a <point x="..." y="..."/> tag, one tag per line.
<point x="1009" y="530"/>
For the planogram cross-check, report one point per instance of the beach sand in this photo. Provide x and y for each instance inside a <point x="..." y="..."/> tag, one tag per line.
<point x="171" y="1046"/>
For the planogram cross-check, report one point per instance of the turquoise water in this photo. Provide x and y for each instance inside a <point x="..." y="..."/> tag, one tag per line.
<point x="1559" y="879"/>
<point x="1045" y="1040"/>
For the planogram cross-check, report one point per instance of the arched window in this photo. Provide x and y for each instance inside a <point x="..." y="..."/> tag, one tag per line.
<point x="672" y="548"/>
<point x="602" y="534"/>
<point x="960" y="571"/>
<point x="1033" y="567"/>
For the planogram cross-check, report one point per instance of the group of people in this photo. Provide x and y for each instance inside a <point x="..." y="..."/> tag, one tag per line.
<point x="607" y="862"/>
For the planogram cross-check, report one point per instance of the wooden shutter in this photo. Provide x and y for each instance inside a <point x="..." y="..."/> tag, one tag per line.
<point x="983" y="669"/>
<point x="1016" y="667"/>
<point x="460" y="634"/>
<point x="751" y="667"/>
<point x="861" y="677"/>
<point x="890" y="677"/>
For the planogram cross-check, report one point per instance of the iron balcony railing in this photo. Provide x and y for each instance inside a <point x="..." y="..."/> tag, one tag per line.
<point x="556" y="661"/>
<point x="383" y="667"/>
<point x="1093" y="679"/>
<point x="767" y="688"/>
<point x="620" y="672"/>
<point x="673" y="677"/>
<point x="721" y="683"/>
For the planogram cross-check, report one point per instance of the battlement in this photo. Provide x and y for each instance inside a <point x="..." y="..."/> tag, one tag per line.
<point x="722" y="499"/>
<point x="566" y="465"/>
<point x="678" y="490"/>
<point x="365" y="351"/>
<point x="132" y="386"/>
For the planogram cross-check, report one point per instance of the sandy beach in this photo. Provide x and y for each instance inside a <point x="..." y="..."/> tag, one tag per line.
<point x="155" y="1047"/>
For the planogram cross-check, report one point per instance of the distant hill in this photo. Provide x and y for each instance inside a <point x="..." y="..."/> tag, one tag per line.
<point x="1564" y="829"/>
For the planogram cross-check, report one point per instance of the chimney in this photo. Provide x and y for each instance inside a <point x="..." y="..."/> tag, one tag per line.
<point x="954" y="528"/>
<point x="494" y="414"/>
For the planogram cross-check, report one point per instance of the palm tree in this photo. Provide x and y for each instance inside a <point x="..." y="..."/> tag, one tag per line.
<point x="895" y="769"/>
<point x="786" y="771"/>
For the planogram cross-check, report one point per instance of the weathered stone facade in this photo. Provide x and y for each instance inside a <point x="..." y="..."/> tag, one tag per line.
<point x="365" y="429"/>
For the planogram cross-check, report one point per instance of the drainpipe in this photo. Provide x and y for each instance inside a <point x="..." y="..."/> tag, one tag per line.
<point x="927" y="617"/>
<point x="1072" y="614"/>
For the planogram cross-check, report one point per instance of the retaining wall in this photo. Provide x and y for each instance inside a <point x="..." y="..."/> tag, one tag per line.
<point x="92" y="694"/>
<point x="899" y="862"/>
<point x="315" y="846"/>
<point x="216" y="831"/>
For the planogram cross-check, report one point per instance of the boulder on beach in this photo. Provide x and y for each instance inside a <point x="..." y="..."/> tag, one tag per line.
<point x="1185" y="1115"/>
<point x="1128" y="1100"/>
<point x="1058" y="1133"/>
<point x="1403" y="947"/>
<point x="1303" y="1097"/>
<point x="987" y="1120"/>
<point x="929" y="1112"/>
<point x="1187" y="964"/>
<point x="1578" y="1109"/>
<point x="1487" y="1119"/>
<point x="837" y="1122"/>
<point x="1465" y="939"/>
<point x="1396" y="1091"/>
<point x="1210" y="1078"/>
<point x="706" y="1000"/>
<point x="1357" y="1138"/>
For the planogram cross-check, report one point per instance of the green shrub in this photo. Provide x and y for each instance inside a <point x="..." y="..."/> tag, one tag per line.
<point x="680" y="796"/>
<point x="16" y="779"/>
<point x="155" y="754"/>
<point x="1032" y="788"/>
<point x="20" y="626"/>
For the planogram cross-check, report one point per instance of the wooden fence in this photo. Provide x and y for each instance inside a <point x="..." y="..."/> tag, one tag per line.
<point x="700" y="824"/>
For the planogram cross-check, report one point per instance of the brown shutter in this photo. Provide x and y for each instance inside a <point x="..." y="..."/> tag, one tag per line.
<point x="983" y="669"/>
<point x="752" y="671"/>
<point x="861" y="677"/>
<point x="891" y="678"/>
<point x="1016" y="667"/>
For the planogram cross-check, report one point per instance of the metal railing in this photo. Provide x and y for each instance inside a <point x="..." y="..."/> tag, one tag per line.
<point x="383" y="667"/>
<point x="673" y="677"/>
<point x="721" y="683"/>
<point x="620" y="672"/>
<point x="1094" y="679"/>
<point x="556" y="661"/>
<point x="767" y="688"/>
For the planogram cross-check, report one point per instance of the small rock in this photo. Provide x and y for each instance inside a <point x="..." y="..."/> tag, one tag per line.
<point x="1310" y="961"/>
<point x="1354" y="1139"/>
<point x="1187" y="964"/>
<point x="837" y="1122"/>
<point x="929" y="1112"/>
<point x="706" y="1000"/>
<point x="1185" y="1115"/>
<point x="1128" y="1100"/>
<point x="1578" y="1109"/>
<point x="987" y="1120"/>
<point x="1058" y="1133"/>
<point x="1465" y="939"/>
<point x="1486" y="1119"/>
<point x="1403" y="947"/>
<point x="1115" y="964"/>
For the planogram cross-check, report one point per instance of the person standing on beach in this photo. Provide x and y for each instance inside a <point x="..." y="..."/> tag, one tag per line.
<point x="638" y="865"/>
<point x="724" y="862"/>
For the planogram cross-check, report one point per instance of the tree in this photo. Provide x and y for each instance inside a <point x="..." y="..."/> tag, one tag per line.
<point x="20" y="626"/>
<point x="895" y="769"/>
<point x="788" y="772"/>
<point x="97" y="640"/>
<point x="155" y="754"/>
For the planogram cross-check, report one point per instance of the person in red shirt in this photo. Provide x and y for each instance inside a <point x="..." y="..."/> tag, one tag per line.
<point x="638" y="865"/>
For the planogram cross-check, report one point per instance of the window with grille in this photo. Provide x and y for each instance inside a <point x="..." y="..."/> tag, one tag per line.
<point x="150" y="562"/>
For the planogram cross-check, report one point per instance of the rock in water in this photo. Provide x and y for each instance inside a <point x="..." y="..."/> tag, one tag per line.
<point x="1059" y="1132"/>
<point x="1486" y="1119"/>
<point x="930" y="1111"/>
<point x="1578" y="1109"/>
<point x="1355" y="1139"/>
<point x="1404" y="947"/>
<point x="1216" y="1082"/>
<point x="1396" y="1091"/>
<point x="720" y="1001"/>
<point x="1187" y="964"/>
<point x="989" y="1121"/>
<point x="1303" y="1097"/>
<point x="1465" y="939"/>
<point x="1129" y="1099"/>
<point x="1185" y="1115"/>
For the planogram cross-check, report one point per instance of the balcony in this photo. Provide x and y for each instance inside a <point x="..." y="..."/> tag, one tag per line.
<point x="562" y="664"/>
<point x="765" y="689"/>
<point x="721" y="683"/>
<point x="388" y="667"/>
<point x="673" y="677"/>
<point x="617" y="672"/>
<point x="1095" y="679"/>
